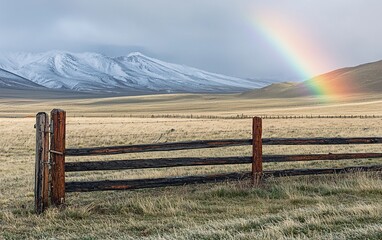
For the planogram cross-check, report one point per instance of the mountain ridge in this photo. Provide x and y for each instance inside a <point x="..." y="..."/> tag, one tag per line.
<point x="11" y="80"/>
<point x="93" y="72"/>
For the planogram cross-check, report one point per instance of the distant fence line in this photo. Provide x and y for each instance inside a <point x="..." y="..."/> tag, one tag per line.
<point x="206" y="117"/>
<point x="238" y="116"/>
<point x="51" y="167"/>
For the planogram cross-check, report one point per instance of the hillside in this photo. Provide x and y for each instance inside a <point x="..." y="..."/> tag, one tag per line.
<point x="365" y="78"/>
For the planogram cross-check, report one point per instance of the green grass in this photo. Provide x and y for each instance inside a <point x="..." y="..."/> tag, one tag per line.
<point x="321" y="207"/>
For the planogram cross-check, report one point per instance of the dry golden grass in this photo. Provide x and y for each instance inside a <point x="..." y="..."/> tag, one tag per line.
<point x="320" y="207"/>
<point x="196" y="105"/>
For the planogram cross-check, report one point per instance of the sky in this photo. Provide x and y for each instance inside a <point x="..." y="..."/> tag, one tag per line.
<point x="286" y="40"/>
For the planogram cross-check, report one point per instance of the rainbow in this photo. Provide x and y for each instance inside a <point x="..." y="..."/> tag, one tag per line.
<point x="303" y="51"/>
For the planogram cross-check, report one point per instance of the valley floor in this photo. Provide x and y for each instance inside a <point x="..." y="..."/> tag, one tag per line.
<point x="317" y="207"/>
<point x="185" y="105"/>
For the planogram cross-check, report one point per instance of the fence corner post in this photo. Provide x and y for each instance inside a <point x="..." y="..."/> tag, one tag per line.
<point x="57" y="153"/>
<point x="257" y="151"/>
<point x="41" y="186"/>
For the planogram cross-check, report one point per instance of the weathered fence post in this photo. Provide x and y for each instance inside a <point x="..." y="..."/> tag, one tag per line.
<point x="257" y="150"/>
<point x="57" y="153"/>
<point x="41" y="187"/>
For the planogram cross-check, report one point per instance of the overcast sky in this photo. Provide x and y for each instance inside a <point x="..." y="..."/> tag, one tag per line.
<point x="244" y="38"/>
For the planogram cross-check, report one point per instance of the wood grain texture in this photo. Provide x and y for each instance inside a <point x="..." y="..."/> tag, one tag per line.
<point x="58" y="120"/>
<point x="215" y="144"/>
<point x="183" y="162"/>
<point x="152" y="163"/>
<point x="41" y="189"/>
<point x="320" y="141"/>
<point x="179" y="181"/>
<point x="314" y="157"/>
<point x="157" y="147"/>
<point x="257" y="150"/>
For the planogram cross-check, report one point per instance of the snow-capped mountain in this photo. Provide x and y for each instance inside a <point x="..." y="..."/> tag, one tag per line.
<point x="92" y="72"/>
<point x="10" y="80"/>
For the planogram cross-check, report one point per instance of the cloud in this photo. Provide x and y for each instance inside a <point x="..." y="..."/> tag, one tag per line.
<point x="216" y="35"/>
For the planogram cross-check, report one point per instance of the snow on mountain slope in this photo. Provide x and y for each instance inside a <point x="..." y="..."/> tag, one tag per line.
<point x="59" y="70"/>
<point x="10" y="80"/>
<point x="134" y="72"/>
<point x="156" y="74"/>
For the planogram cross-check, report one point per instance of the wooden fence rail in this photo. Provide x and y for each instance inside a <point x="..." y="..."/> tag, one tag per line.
<point x="185" y="162"/>
<point x="58" y="166"/>
<point x="215" y="144"/>
<point x="157" y="147"/>
<point x="179" y="181"/>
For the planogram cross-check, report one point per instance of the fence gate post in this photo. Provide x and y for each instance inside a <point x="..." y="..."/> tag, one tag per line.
<point x="57" y="153"/>
<point x="257" y="150"/>
<point x="41" y="186"/>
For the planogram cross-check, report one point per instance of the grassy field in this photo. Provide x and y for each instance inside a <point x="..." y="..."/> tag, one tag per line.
<point x="317" y="207"/>
<point x="193" y="104"/>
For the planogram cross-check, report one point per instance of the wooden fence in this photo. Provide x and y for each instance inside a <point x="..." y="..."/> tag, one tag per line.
<point x="53" y="168"/>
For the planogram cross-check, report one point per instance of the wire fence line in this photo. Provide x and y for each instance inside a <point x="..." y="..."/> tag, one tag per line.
<point x="182" y="131"/>
<point x="238" y="116"/>
<point x="205" y="117"/>
<point x="197" y="120"/>
<point x="134" y="122"/>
